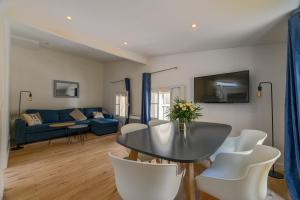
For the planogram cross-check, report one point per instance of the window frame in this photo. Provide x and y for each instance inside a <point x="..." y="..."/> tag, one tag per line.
<point x="162" y="89"/>
<point x="119" y="104"/>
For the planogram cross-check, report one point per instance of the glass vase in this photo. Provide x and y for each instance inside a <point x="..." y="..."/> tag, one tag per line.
<point x="182" y="126"/>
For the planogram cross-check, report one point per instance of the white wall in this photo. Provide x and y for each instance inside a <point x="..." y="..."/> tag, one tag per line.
<point x="34" y="68"/>
<point x="4" y="96"/>
<point x="266" y="63"/>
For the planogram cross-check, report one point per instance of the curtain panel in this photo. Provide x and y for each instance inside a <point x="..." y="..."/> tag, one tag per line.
<point x="292" y="109"/>
<point x="146" y="98"/>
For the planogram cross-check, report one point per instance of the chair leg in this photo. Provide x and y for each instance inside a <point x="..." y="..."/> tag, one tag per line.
<point x="133" y="155"/>
<point x="205" y="196"/>
<point x="199" y="168"/>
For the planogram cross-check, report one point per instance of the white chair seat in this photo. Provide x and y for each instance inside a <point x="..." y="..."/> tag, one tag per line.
<point x="239" y="176"/>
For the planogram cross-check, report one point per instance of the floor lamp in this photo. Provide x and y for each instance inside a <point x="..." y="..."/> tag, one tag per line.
<point x="272" y="173"/>
<point x="19" y="113"/>
<point x="20" y="99"/>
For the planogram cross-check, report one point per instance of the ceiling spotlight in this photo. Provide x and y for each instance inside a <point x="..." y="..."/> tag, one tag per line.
<point x="69" y="18"/>
<point x="194" y="25"/>
<point x="125" y="43"/>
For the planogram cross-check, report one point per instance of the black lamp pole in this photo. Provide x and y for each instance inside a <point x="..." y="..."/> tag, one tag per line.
<point x="19" y="114"/>
<point x="272" y="173"/>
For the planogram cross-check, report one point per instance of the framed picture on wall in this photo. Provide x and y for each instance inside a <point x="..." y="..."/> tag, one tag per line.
<point x="66" y="89"/>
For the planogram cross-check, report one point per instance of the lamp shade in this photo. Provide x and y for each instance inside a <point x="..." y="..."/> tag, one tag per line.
<point x="30" y="97"/>
<point x="259" y="89"/>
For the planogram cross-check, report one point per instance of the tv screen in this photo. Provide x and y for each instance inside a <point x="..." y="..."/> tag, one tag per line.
<point x="222" y="88"/>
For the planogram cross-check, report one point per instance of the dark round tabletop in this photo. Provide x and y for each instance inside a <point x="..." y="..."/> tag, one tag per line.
<point x="165" y="141"/>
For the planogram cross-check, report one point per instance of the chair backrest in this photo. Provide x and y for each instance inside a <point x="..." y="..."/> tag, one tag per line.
<point x="249" y="172"/>
<point x="128" y="128"/>
<point x="259" y="164"/>
<point x="155" y="122"/>
<point x="147" y="181"/>
<point x="249" y="138"/>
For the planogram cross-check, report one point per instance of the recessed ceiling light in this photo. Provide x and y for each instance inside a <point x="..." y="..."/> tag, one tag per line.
<point x="194" y="25"/>
<point x="125" y="43"/>
<point x="69" y="18"/>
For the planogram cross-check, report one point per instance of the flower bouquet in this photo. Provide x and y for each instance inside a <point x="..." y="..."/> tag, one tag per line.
<point x="184" y="112"/>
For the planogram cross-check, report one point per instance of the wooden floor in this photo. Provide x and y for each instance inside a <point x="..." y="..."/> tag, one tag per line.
<point x="72" y="171"/>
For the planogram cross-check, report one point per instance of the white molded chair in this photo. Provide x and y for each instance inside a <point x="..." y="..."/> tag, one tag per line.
<point x="145" y="181"/>
<point x="239" y="176"/>
<point x="242" y="144"/>
<point x="155" y="122"/>
<point x="128" y="128"/>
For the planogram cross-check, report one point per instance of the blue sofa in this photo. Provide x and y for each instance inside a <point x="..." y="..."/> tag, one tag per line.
<point x="28" y="134"/>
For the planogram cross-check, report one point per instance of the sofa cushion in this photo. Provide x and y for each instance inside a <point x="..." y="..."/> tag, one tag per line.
<point x="83" y="122"/>
<point x="64" y="115"/>
<point x="103" y="122"/>
<point x="88" y="112"/>
<point x="48" y="116"/>
<point x="40" y="128"/>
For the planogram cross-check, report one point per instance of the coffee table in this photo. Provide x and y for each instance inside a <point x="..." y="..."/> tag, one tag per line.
<point x="80" y="130"/>
<point x="60" y="125"/>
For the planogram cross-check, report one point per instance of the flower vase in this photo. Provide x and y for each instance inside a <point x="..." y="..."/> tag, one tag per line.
<point x="182" y="126"/>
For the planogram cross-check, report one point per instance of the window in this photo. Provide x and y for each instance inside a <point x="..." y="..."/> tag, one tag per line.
<point x="162" y="99"/>
<point x="121" y="104"/>
<point x="164" y="104"/>
<point x="154" y="104"/>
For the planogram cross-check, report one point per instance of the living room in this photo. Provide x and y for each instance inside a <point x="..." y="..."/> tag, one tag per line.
<point x="116" y="80"/>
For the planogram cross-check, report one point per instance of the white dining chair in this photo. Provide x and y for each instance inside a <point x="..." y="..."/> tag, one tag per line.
<point x="129" y="128"/>
<point x="243" y="144"/>
<point x="155" y="122"/>
<point x="239" y="176"/>
<point x="146" y="181"/>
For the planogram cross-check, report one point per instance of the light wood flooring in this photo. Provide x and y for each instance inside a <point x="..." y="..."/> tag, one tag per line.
<point x="72" y="171"/>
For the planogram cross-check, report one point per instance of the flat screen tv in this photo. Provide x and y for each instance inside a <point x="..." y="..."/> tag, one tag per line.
<point x="222" y="88"/>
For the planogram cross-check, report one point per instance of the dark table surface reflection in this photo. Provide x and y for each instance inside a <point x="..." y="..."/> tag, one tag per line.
<point x="165" y="141"/>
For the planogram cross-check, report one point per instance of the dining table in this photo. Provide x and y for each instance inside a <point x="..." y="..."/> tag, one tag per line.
<point x="165" y="141"/>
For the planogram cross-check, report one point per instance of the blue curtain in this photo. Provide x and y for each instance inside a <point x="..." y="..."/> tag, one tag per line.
<point x="146" y="98"/>
<point x="292" y="109"/>
<point x="127" y="87"/>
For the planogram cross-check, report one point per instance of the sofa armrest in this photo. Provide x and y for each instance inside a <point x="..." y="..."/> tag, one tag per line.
<point x="20" y="131"/>
<point x="108" y="116"/>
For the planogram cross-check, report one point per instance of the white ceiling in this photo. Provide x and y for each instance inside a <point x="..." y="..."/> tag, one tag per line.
<point x="158" y="27"/>
<point x="25" y="35"/>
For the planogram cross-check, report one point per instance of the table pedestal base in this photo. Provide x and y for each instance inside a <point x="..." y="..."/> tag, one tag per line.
<point x="190" y="183"/>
